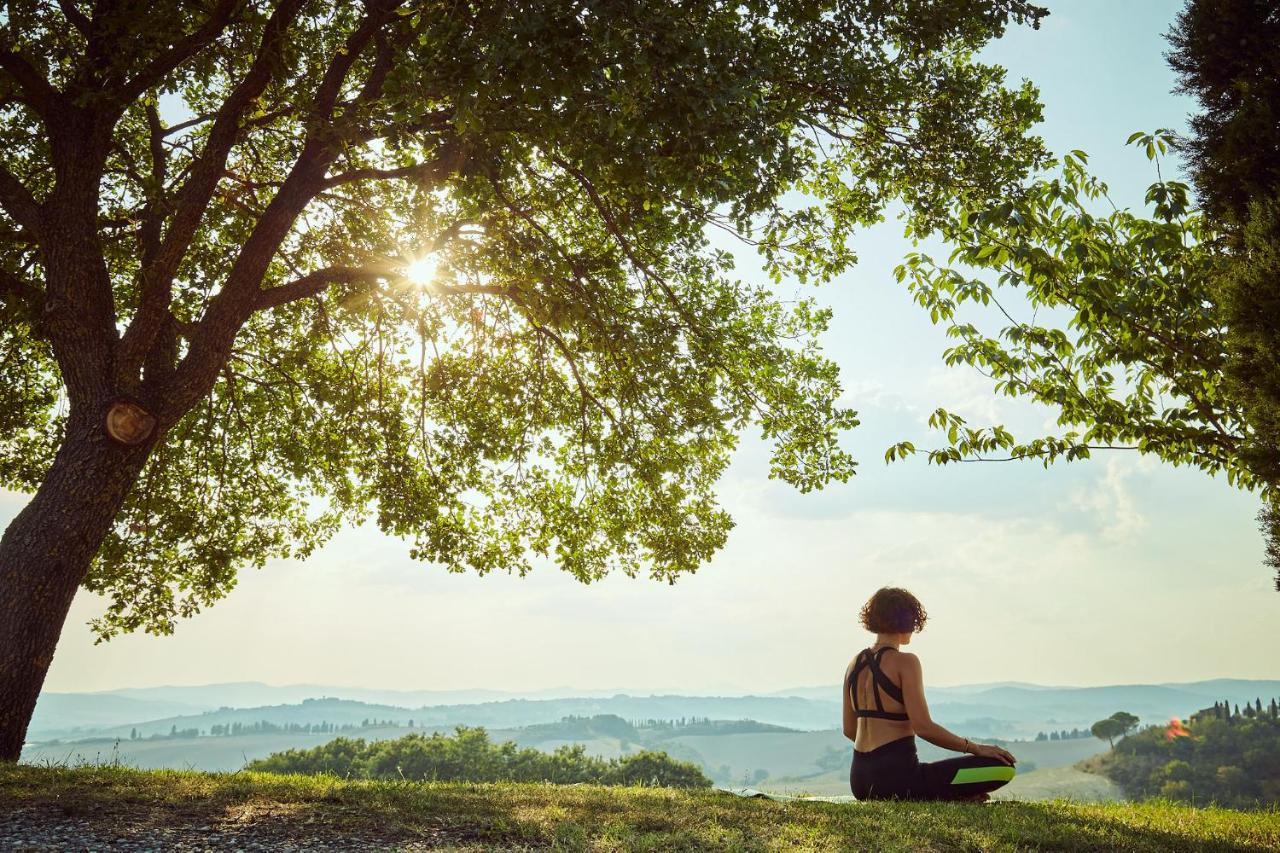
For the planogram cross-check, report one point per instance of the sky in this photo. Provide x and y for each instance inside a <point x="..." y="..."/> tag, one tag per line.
<point x="1117" y="570"/>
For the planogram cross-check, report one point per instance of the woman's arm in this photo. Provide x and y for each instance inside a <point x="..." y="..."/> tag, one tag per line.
<point x="846" y="708"/>
<point x="923" y="724"/>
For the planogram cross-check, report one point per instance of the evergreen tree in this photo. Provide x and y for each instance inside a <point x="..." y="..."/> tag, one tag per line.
<point x="1225" y="53"/>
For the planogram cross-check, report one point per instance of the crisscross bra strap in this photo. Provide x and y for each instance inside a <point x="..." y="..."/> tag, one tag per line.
<point x="879" y="681"/>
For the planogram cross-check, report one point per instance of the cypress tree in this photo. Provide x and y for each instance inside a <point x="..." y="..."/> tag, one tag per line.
<point x="1224" y="52"/>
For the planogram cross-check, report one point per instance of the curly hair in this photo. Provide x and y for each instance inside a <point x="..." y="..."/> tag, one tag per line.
<point x="893" y="610"/>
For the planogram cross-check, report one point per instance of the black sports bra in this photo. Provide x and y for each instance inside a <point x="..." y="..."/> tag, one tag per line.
<point x="866" y="658"/>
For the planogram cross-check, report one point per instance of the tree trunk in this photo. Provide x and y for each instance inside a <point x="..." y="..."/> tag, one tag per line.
<point x="44" y="555"/>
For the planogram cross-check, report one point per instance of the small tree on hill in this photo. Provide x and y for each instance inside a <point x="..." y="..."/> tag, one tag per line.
<point x="1128" y="721"/>
<point x="1108" y="730"/>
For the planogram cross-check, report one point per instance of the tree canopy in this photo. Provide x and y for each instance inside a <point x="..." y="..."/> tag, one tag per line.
<point x="1102" y="315"/>
<point x="216" y="212"/>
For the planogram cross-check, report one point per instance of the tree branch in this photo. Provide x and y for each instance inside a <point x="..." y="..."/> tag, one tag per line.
<point x="586" y="393"/>
<point x="197" y="191"/>
<point x="335" y="75"/>
<point x="18" y="202"/>
<point x="12" y="285"/>
<point x="436" y="170"/>
<point x="40" y="94"/>
<point x="149" y="231"/>
<point x="187" y="47"/>
<point x="77" y="18"/>
<point x="314" y="283"/>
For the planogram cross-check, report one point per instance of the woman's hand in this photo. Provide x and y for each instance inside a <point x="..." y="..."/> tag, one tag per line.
<point x="990" y="750"/>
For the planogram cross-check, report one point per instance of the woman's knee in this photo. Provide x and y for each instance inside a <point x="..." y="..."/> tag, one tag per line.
<point x="984" y="774"/>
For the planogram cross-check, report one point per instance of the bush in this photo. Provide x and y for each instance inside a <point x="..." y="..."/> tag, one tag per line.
<point x="469" y="756"/>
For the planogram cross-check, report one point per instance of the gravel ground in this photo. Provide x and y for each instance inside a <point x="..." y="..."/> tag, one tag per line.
<point x="47" y="829"/>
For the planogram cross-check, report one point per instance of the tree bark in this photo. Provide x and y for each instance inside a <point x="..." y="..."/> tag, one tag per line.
<point x="45" y="554"/>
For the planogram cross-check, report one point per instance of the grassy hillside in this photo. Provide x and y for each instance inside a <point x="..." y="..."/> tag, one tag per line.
<point x="731" y="752"/>
<point x="132" y="806"/>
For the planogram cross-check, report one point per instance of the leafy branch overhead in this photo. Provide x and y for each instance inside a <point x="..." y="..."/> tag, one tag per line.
<point x="211" y="209"/>
<point x="1103" y="315"/>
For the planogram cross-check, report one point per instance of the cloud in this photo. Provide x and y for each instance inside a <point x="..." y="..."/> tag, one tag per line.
<point x="1109" y="500"/>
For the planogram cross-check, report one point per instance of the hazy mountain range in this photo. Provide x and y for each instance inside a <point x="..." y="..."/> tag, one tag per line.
<point x="1005" y="709"/>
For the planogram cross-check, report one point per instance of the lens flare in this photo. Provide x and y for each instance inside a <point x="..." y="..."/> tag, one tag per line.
<point x="421" y="271"/>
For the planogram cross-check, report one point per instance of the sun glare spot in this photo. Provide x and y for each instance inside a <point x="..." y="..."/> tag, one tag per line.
<point x="421" y="271"/>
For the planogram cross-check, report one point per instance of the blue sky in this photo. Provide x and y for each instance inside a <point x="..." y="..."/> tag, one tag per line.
<point x="1116" y="570"/>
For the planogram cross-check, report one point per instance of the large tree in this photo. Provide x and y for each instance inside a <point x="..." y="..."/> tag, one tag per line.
<point x="270" y="268"/>
<point x="1227" y="54"/>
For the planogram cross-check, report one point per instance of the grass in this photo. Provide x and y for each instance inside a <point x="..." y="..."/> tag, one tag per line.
<point x="589" y="817"/>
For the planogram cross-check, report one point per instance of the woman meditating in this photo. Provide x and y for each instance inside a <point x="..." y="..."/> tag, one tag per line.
<point x="884" y="709"/>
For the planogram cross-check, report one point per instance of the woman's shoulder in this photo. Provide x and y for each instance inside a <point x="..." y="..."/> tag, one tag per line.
<point x="902" y="660"/>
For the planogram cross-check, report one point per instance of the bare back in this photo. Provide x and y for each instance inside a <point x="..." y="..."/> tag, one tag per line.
<point x="874" y="731"/>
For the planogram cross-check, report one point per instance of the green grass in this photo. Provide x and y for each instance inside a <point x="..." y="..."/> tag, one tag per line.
<point x="597" y="818"/>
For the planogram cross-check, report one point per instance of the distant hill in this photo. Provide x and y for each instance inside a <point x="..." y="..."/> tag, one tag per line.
<point x="731" y="752"/>
<point x="793" y="713"/>
<point x="824" y="691"/>
<point x="59" y="714"/>
<point x="1005" y="709"/>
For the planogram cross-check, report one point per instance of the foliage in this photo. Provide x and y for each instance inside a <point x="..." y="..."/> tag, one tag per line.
<point x="1109" y="325"/>
<point x="251" y="184"/>
<point x="588" y="817"/>
<point x="1224" y="52"/>
<point x="1168" y="341"/>
<point x="469" y="756"/>
<point x="1127" y="721"/>
<point x="1117" y="725"/>
<point x="1228" y="758"/>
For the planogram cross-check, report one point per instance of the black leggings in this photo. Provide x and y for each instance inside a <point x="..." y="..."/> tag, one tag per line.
<point x="894" y="770"/>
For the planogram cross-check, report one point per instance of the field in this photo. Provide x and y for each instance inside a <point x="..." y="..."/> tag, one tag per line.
<point x="185" y="753"/>
<point x="246" y="809"/>
<point x="811" y="762"/>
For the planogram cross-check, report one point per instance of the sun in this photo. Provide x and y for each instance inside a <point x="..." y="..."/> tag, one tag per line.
<point x="421" y="271"/>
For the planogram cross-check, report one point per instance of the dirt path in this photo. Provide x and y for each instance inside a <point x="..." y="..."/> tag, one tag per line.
<point x="44" y="828"/>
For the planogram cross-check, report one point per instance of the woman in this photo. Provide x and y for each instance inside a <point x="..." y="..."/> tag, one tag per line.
<point x="884" y="709"/>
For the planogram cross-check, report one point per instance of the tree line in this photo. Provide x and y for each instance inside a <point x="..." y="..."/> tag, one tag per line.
<point x="258" y="727"/>
<point x="1073" y="734"/>
<point x="469" y="755"/>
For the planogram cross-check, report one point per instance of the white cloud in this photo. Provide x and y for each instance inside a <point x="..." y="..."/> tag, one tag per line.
<point x="1109" y="500"/>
